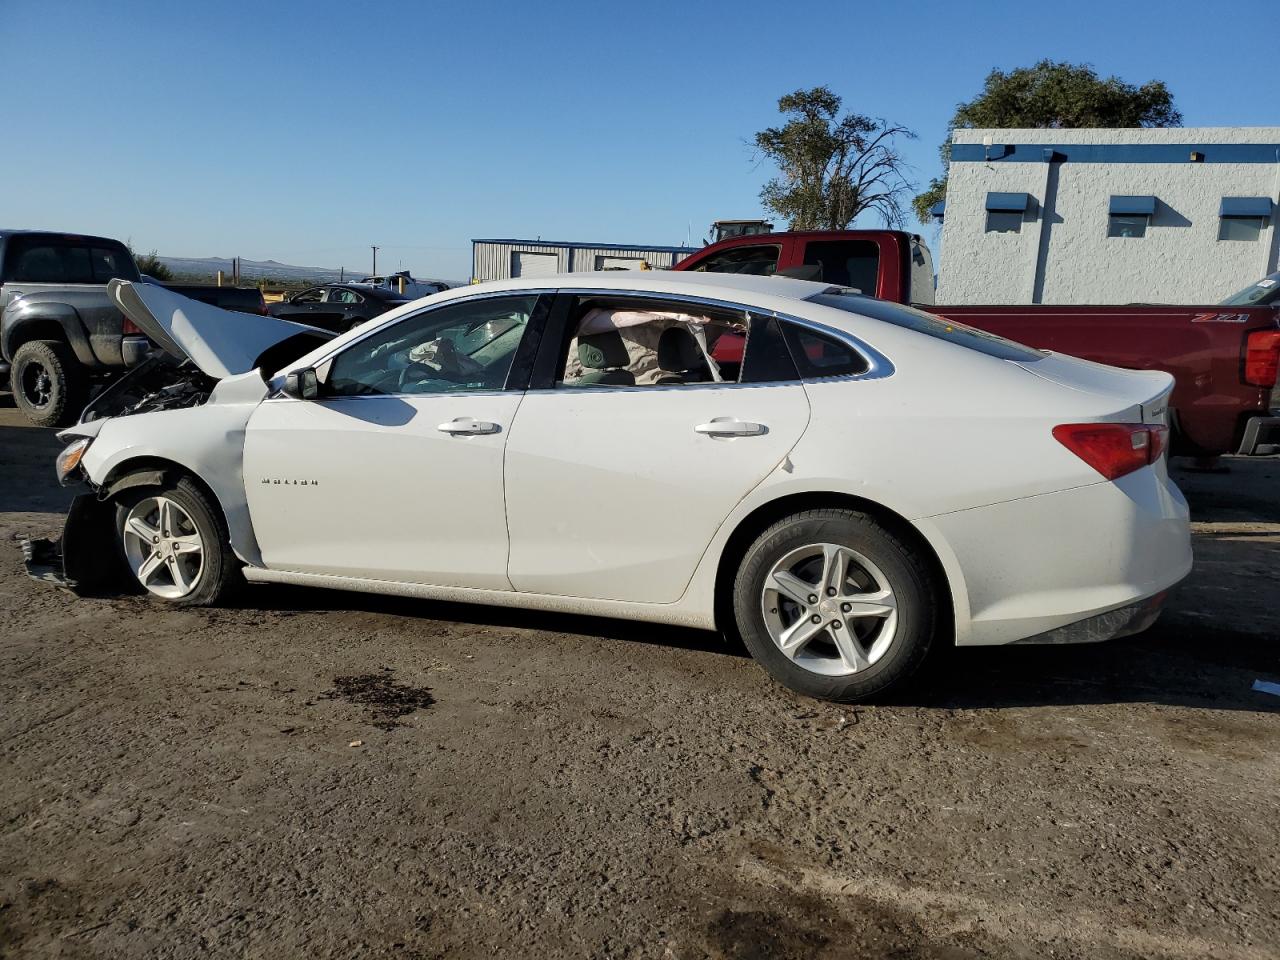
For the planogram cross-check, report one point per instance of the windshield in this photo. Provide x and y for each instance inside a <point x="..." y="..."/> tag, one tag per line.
<point x="939" y="328"/>
<point x="1265" y="291"/>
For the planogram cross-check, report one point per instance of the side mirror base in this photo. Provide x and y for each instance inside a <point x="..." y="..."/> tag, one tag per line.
<point x="302" y="384"/>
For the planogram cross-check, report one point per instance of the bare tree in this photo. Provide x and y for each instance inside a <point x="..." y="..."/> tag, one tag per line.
<point x="831" y="168"/>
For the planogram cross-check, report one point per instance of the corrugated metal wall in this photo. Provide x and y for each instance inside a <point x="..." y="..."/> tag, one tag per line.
<point x="492" y="261"/>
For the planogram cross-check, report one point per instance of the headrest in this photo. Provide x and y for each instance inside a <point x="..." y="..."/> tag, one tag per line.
<point x="600" y="351"/>
<point x="678" y="351"/>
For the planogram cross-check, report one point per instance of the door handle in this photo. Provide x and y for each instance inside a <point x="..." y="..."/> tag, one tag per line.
<point x="731" y="427"/>
<point x="466" y="426"/>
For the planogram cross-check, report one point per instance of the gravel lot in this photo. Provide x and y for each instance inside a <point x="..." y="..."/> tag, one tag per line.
<point x="334" y="775"/>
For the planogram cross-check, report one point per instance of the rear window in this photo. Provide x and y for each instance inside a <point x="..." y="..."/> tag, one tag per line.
<point x="43" y="259"/>
<point x="937" y="327"/>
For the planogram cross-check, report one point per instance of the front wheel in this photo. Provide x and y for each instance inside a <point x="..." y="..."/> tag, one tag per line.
<point x="175" y="544"/>
<point x="833" y="605"/>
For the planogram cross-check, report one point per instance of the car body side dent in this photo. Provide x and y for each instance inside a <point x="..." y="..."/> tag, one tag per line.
<point x="207" y="440"/>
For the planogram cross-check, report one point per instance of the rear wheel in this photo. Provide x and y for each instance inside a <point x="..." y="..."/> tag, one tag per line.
<point x="175" y="544"/>
<point x="833" y="605"/>
<point x="48" y="383"/>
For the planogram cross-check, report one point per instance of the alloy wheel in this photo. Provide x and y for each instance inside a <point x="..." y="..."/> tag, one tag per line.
<point x="829" y="609"/>
<point x="37" y="385"/>
<point x="164" y="547"/>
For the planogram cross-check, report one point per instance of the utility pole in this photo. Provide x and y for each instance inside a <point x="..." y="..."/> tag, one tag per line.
<point x="375" y="259"/>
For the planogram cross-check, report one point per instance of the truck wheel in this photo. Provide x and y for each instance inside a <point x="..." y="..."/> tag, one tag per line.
<point x="833" y="605"/>
<point x="48" y="383"/>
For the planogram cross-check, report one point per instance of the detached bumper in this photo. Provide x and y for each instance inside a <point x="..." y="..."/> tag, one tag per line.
<point x="1261" y="437"/>
<point x="83" y="559"/>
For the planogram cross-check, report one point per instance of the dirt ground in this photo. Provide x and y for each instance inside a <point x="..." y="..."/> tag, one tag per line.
<point x="318" y="774"/>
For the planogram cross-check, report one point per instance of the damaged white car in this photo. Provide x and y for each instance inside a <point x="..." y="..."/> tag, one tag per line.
<point x="841" y="481"/>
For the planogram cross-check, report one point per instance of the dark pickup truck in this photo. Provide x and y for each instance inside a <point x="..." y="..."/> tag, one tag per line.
<point x="59" y="332"/>
<point x="1223" y="357"/>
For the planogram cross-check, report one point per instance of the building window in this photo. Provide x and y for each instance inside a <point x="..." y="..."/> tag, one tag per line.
<point x="1240" y="228"/>
<point x="1242" y="218"/>
<point x="1006" y="211"/>
<point x="1003" y="221"/>
<point x="1122" y="225"/>
<point x="1129" y="216"/>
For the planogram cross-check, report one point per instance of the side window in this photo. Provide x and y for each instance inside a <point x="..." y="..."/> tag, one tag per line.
<point x="846" y="263"/>
<point x="464" y="346"/>
<point x="818" y="355"/>
<point x="53" y="263"/>
<point x="111" y="264"/>
<point x="314" y="295"/>
<point x="619" y="341"/>
<point x="767" y="358"/>
<point x="761" y="260"/>
<point x="38" y="265"/>
<point x="345" y="296"/>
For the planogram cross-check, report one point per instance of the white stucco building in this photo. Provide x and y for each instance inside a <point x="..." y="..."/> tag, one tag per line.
<point x="1168" y="215"/>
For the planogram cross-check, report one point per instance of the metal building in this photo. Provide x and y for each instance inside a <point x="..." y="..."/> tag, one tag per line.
<point x="503" y="259"/>
<point x="1164" y="215"/>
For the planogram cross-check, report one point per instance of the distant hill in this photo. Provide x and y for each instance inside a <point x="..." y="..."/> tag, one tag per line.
<point x="260" y="269"/>
<point x="251" y="269"/>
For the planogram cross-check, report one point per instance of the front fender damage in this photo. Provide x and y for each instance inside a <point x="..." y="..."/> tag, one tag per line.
<point x="77" y="560"/>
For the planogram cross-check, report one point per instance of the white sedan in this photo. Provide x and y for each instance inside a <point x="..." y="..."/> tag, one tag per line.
<point x="842" y="482"/>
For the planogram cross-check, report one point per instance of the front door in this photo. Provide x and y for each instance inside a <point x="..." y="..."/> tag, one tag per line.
<point x="620" y="473"/>
<point x="395" y="471"/>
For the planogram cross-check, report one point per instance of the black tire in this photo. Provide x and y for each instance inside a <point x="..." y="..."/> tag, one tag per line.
<point x="49" y="384"/>
<point x="219" y="576"/>
<point x="908" y="577"/>
<point x="356" y="322"/>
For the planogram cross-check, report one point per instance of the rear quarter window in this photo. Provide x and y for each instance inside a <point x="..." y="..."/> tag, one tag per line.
<point x="939" y="328"/>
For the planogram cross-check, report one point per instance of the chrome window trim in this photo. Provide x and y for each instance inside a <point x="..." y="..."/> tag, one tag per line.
<point x="878" y="365"/>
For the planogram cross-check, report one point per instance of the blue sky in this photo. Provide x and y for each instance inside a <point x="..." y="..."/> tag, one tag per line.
<point x="306" y="131"/>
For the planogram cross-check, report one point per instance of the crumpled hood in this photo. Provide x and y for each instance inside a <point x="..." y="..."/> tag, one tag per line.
<point x="222" y="343"/>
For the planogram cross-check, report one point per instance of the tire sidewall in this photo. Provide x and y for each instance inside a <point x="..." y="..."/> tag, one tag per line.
<point x="907" y="578"/>
<point x="53" y="357"/>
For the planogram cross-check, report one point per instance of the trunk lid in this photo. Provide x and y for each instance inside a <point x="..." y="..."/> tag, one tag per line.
<point x="1146" y="392"/>
<point x="221" y="343"/>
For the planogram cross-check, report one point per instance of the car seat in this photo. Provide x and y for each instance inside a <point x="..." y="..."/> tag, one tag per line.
<point x="604" y="357"/>
<point x="680" y="358"/>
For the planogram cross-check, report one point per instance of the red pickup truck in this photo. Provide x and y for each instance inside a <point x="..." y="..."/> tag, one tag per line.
<point x="1224" y="357"/>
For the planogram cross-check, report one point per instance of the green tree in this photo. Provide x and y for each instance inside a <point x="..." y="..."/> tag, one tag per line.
<point x="150" y="264"/>
<point x="1054" y="94"/>
<point x="831" y="168"/>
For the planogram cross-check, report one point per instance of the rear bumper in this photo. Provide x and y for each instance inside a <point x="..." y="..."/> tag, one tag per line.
<point x="1083" y="564"/>
<point x="1261" y="437"/>
<point x="1121" y="622"/>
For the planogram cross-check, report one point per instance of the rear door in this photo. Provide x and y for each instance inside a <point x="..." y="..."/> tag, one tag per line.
<point x="624" y="462"/>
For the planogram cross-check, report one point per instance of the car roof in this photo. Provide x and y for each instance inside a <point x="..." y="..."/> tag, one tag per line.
<point x="664" y="281"/>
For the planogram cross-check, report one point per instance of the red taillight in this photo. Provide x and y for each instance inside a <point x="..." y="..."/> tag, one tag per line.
<point x="129" y="328"/>
<point x="1114" y="449"/>
<point x="1262" y="358"/>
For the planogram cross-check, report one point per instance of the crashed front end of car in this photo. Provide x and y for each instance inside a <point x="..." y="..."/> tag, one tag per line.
<point x="198" y="347"/>
<point x="76" y="560"/>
